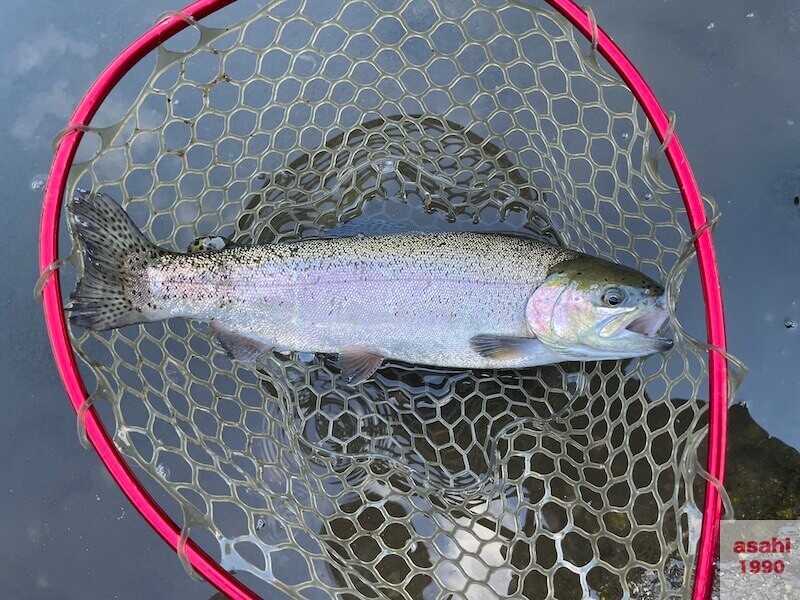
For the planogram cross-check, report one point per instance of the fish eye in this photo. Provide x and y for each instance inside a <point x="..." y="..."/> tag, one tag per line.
<point x="613" y="297"/>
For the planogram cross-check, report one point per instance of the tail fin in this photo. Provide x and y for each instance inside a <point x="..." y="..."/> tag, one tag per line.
<point x="112" y="292"/>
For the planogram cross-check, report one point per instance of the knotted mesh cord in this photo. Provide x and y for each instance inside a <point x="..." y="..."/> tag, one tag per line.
<point x="397" y="115"/>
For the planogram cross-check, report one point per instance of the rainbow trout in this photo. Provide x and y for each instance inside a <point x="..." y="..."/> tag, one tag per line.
<point x="470" y="300"/>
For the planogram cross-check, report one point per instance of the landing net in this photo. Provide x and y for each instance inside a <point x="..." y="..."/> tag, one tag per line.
<point x="326" y="118"/>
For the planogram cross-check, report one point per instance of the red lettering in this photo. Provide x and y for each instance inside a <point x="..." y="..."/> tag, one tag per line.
<point x="774" y="546"/>
<point x="779" y="566"/>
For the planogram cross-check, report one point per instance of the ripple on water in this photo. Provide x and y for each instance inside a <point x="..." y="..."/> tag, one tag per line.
<point x="38" y="182"/>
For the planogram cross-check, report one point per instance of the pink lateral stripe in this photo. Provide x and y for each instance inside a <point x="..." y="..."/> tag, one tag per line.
<point x="707" y="262"/>
<point x="54" y="313"/>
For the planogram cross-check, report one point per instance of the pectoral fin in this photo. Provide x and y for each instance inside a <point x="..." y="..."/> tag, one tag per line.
<point x="358" y="365"/>
<point x="238" y="347"/>
<point x="500" y="347"/>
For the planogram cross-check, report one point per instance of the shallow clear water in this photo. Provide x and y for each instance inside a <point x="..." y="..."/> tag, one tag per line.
<point x="71" y="532"/>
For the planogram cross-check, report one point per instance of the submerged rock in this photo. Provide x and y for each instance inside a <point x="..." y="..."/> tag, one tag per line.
<point x="763" y="473"/>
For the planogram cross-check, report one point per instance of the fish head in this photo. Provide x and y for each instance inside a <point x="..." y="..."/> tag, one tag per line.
<point x="592" y="309"/>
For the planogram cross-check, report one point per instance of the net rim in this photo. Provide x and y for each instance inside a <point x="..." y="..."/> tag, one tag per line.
<point x="116" y="464"/>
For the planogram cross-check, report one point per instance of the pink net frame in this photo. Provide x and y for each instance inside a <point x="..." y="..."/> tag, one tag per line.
<point x="115" y="463"/>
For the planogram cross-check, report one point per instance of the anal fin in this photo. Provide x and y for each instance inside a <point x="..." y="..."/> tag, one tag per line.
<point x="358" y="365"/>
<point x="238" y="347"/>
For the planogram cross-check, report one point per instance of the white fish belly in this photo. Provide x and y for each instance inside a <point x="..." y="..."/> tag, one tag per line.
<point x="429" y="322"/>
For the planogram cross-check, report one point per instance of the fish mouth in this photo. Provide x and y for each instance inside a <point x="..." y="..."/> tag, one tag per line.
<point x="647" y="326"/>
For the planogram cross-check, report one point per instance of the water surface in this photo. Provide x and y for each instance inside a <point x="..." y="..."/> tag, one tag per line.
<point x="69" y="531"/>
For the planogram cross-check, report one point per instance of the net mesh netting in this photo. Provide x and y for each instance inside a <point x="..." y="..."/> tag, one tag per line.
<point x="328" y="118"/>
